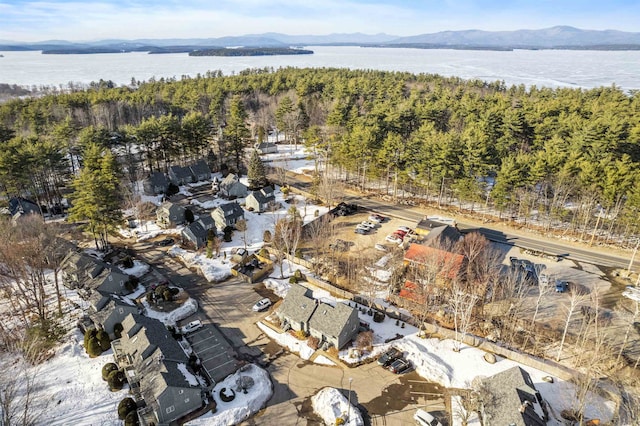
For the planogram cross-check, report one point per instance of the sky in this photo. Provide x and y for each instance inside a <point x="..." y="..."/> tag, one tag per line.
<point x="90" y="20"/>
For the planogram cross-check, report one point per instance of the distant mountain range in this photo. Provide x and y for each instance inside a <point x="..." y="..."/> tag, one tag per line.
<point x="560" y="37"/>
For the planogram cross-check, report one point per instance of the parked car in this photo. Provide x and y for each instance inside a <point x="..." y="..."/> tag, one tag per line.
<point x="404" y="229"/>
<point x="543" y="279"/>
<point x="370" y="224"/>
<point x="399" y="366"/>
<point x="424" y="418"/>
<point x="389" y="356"/>
<point x="192" y="326"/>
<point x="380" y="247"/>
<point x="363" y="227"/>
<point x="166" y="242"/>
<point x="393" y="238"/>
<point x="261" y="305"/>
<point x="375" y="217"/>
<point x="561" y="286"/>
<point x="361" y="231"/>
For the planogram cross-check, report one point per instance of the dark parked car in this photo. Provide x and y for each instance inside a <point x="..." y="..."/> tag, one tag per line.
<point x="166" y="242"/>
<point x="400" y="365"/>
<point x="389" y="356"/>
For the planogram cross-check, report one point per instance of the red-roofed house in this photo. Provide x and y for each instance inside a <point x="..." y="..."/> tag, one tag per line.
<point x="449" y="265"/>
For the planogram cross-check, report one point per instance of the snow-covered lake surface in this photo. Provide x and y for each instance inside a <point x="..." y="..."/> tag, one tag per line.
<point x="549" y="68"/>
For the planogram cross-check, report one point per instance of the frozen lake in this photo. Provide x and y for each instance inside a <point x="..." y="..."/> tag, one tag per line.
<point x="550" y="68"/>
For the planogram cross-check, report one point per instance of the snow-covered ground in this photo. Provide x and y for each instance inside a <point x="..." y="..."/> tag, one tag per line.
<point x="330" y="404"/>
<point x="436" y="361"/>
<point x="244" y="405"/>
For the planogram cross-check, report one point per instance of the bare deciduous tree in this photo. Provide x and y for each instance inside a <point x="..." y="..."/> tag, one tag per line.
<point x="575" y="300"/>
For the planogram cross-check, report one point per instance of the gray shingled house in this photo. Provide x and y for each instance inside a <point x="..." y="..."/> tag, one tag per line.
<point x="200" y="171"/>
<point x="444" y="236"/>
<point x="110" y="281"/>
<point x="156" y="183"/>
<point x="78" y="268"/>
<point x="231" y="187"/>
<point x="333" y="326"/>
<point x="180" y="175"/>
<point x="169" y="215"/>
<point x="107" y="310"/>
<point x="297" y="308"/>
<point x="227" y="215"/>
<point x="514" y="400"/>
<point x="198" y="231"/>
<point x="157" y="370"/>
<point x="261" y="200"/>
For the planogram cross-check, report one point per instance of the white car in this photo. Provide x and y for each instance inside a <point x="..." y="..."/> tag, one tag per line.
<point x="404" y="229"/>
<point x="424" y="418"/>
<point x="363" y="227"/>
<point x="375" y="218"/>
<point x="192" y="326"/>
<point x="380" y="247"/>
<point x="369" y="224"/>
<point x="393" y="239"/>
<point x="261" y="305"/>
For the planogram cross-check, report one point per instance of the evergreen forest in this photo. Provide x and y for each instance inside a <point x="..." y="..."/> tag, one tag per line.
<point x="569" y="155"/>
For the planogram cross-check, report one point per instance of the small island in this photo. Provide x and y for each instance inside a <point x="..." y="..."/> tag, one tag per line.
<point x="251" y="51"/>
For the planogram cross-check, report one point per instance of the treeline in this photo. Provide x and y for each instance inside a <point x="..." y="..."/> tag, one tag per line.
<point x="569" y="155"/>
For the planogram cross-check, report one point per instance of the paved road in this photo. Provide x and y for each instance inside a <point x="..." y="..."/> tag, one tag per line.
<point x="539" y="243"/>
<point x="578" y="254"/>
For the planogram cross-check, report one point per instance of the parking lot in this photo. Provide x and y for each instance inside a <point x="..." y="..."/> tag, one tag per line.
<point x="213" y="351"/>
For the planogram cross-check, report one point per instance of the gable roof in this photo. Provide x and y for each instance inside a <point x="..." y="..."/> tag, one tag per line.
<point x="412" y="292"/>
<point x="298" y="305"/>
<point x="151" y="335"/>
<point x="444" y="235"/>
<point x="195" y="230"/>
<point x="200" y="167"/>
<point x="82" y="263"/>
<point x="229" y="180"/>
<point x="207" y="222"/>
<point x="330" y="320"/>
<point x="263" y="196"/>
<point x="180" y="172"/>
<point x="158" y="179"/>
<point x="514" y="399"/>
<point x="451" y="263"/>
<point x="170" y="208"/>
<point x="231" y="210"/>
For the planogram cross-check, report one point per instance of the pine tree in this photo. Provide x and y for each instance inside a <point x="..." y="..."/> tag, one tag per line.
<point x="256" y="173"/>
<point x="96" y="196"/>
<point x="236" y="131"/>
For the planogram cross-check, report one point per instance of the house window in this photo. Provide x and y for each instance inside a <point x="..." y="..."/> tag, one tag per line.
<point x="171" y="409"/>
<point x="181" y="391"/>
<point x="186" y="400"/>
<point x="121" y="310"/>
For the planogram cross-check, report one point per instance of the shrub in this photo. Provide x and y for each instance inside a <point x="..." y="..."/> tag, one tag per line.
<point x="293" y="280"/>
<point x="107" y="369"/>
<point x="174" y="291"/>
<point x="298" y="253"/>
<point x="167" y="295"/>
<point x="88" y="335"/>
<point x="301" y="334"/>
<point x="264" y="253"/>
<point x="333" y="351"/>
<point x="127" y="262"/>
<point x="103" y="339"/>
<point x="298" y="274"/>
<point x="172" y="189"/>
<point x="117" y="330"/>
<point x="364" y="341"/>
<point x="339" y="421"/>
<point x="188" y="216"/>
<point x="132" y="419"/>
<point x="378" y="316"/>
<point x="228" y="234"/>
<point x="93" y="347"/>
<point x="313" y="342"/>
<point x="266" y="236"/>
<point x="125" y="407"/>
<point x="159" y="291"/>
<point x="116" y="380"/>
